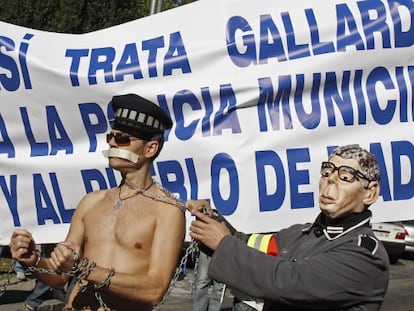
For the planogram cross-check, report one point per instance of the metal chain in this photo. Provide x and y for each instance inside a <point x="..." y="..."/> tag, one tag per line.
<point x="9" y="275"/>
<point x="102" y="303"/>
<point x="168" y="198"/>
<point x="192" y="248"/>
<point x="196" y="255"/>
<point x="76" y="269"/>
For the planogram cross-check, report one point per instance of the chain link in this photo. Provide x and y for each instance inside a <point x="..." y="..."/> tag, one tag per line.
<point x="168" y="198"/>
<point x="195" y="260"/>
<point x="102" y="303"/>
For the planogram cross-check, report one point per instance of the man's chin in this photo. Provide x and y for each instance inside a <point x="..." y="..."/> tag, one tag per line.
<point x="119" y="163"/>
<point x="329" y="213"/>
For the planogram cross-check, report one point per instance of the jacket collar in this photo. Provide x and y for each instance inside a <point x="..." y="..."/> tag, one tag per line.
<point x="335" y="229"/>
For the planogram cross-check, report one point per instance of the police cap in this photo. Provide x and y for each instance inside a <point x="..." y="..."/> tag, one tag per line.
<point x="138" y="116"/>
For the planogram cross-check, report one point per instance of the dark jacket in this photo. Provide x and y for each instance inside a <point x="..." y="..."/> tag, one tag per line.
<point x="318" y="267"/>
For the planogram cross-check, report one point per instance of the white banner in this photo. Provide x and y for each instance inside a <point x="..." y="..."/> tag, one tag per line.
<point x="259" y="91"/>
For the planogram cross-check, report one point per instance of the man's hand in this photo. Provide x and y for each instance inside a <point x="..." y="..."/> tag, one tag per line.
<point x="23" y="247"/>
<point x="205" y="229"/>
<point x="199" y="205"/>
<point x="62" y="258"/>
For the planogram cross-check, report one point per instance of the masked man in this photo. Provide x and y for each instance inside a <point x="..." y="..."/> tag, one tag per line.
<point x="334" y="263"/>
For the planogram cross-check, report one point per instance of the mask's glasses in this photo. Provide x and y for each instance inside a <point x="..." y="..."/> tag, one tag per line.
<point x="345" y="173"/>
<point x="121" y="139"/>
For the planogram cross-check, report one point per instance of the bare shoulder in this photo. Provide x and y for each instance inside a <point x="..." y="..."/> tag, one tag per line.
<point x="167" y="203"/>
<point x="170" y="216"/>
<point x="166" y="199"/>
<point x="91" y="199"/>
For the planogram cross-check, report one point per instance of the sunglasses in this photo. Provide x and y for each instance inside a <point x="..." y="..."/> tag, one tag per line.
<point x="121" y="139"/>
<point x="345" y="173"/>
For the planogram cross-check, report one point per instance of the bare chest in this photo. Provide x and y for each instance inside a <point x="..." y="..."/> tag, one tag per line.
<point x="131" y="224"/>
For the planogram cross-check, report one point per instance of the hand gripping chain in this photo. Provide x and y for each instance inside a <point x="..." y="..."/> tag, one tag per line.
<point x="80" y="270"/>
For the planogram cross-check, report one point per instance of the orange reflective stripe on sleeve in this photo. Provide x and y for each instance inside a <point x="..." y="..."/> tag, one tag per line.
<point x="272" y="248"/>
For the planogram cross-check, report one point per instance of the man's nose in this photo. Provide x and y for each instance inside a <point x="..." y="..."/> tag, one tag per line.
<point x="333" y="177"/>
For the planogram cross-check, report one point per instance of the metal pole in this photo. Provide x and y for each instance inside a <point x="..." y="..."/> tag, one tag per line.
<point x="153" y="5"/>
<point x="159" y="4"/>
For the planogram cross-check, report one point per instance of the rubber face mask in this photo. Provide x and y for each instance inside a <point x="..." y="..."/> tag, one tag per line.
<point x="121" y="153"/>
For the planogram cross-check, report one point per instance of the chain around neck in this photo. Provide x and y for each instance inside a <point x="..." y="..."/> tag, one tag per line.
<point x="167" y="197"/>
<point x="120" y="200"/>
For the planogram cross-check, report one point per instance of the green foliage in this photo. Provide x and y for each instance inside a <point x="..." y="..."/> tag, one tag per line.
<point x="77" y="16"/>
<point x="5" y="264"/>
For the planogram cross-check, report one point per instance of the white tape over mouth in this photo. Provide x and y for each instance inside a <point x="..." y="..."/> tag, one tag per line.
<point x="121" y="153"/>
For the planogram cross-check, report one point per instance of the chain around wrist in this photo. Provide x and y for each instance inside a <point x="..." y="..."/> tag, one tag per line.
<point x="36" y="262"/>
<point x="38" y="259"/>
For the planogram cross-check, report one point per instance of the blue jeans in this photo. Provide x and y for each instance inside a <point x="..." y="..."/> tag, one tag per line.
<point x="42" y="292"/>
<point x="18" y="267"/>
<point x="202" y="301"/>
<point x="37" y="295"/>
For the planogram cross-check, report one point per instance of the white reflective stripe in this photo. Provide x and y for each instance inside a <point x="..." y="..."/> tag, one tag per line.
<point x="252" y="240"/>
<point x="125" y="113"/>
<point x="139" y="117"/>
<point x="133" y="114"/>
<point x="150" y="120"/>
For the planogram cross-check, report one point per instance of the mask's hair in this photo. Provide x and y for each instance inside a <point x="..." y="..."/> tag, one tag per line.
<point x="367" y="161"/>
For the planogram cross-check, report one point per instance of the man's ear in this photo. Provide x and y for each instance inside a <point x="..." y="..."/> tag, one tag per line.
<point x="151" y="148"/>
<point x="372" y="193"/>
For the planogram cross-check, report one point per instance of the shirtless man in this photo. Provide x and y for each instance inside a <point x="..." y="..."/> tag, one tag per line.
<point x="133" y="233"/>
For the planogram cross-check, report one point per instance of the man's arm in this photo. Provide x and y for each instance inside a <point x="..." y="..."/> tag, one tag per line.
<point x="333" y="278"/>
<point x="61" y="258"/>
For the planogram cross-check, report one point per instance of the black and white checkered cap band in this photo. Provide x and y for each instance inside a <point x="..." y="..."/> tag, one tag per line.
<point x="139" y="117"/>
